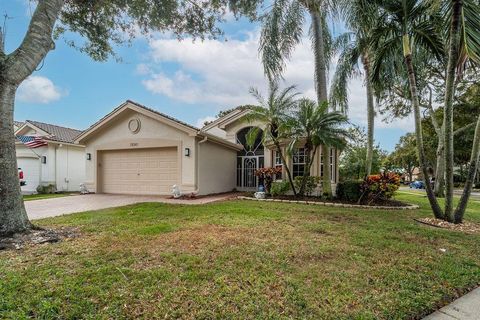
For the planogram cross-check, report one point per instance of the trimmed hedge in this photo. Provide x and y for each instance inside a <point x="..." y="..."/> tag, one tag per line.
<point x="349" y="190"/>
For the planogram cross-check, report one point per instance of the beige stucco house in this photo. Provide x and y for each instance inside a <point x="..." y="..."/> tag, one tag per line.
<point x="138" y="150"/>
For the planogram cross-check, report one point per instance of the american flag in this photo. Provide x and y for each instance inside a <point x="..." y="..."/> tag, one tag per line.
<point x="32" y="142"/>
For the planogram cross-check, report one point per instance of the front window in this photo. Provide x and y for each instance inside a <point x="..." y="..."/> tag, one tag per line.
<point x="278" y="164"/>
<point x="299" y="162"/>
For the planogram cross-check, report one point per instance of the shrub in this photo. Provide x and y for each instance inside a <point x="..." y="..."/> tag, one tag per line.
<point x="267" y="175"/>
<point x="310" y="185"/>
<point x="379" y="186"/>
<point x="46" y="189"/>
<point x="349" y="190"/>
<point x="279" y="188"/>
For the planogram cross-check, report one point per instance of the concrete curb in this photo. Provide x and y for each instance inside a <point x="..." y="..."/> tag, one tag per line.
<point x="332" y="204"/>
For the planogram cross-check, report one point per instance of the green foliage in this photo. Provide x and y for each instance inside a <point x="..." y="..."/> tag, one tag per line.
<point x="46" y="189"/>
<point x="379" y="187"/>
<point x="349" y="190"/>
<point x="352" y="162"/>
<point x="104" y="24"/>
<point x="311" y="183"/>
<point x="280" y="188"/>
<point x="405" y="154"/>
<point x="266" y="176"/>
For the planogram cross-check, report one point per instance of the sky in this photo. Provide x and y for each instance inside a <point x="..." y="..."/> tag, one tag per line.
<point x="189" y="80"/>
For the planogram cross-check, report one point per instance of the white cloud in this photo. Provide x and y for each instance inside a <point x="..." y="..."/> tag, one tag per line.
<point x="201" y="122"/>
<point x="220" y="73"/>
<point x="38" y="89"/>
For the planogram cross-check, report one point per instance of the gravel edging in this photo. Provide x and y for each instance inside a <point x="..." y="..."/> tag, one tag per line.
<point x="332" y="204"/>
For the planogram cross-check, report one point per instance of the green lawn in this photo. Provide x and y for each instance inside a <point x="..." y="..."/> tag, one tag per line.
<point x="241" y="259"/>
<point x="32" y="197"/>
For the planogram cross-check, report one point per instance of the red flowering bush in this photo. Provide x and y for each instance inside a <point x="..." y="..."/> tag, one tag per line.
<point x="267" y="175"/>
<point x="379" y="187"/>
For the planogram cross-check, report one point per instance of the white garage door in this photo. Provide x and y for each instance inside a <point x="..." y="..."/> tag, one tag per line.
<point x="139" y="171"/>
<point x="31" y="173"/>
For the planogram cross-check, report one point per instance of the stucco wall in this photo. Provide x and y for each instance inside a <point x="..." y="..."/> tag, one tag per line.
<point x="70" y="171"/>
<point x="153" y="134"/>
<point x="216" y="168"/>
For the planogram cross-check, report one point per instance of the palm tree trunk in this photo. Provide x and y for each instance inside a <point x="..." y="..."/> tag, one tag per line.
<point x="455" y="34"/>
<point x="308" y="167"/>
<point x="13" y="217"/>
<point x="370" y="116"/>
<point x="437" y="211"/>
<point x="287" y="169"/>
<point x="440" y="170"/>
<point x="472" y="170"/>
<point x="321" y="89"/>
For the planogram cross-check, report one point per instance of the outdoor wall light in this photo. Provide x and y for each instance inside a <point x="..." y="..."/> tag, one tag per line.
<point x="89" y="156"/>
<point x="44" y="159"/>
<point x="187" y="152"/>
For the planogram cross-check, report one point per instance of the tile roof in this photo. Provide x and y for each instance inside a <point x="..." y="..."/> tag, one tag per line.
<point x="18" y="124"/>
<point x="57" y="133"/>
<point x="143" y="107"/>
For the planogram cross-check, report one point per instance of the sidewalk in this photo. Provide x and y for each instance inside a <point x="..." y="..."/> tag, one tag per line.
<point x="464" y="308"/>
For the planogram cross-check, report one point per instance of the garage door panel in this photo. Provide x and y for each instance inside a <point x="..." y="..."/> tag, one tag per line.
<point x="142" y="171"/>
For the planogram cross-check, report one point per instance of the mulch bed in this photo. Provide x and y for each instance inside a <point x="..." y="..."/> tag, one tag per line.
<point x="466" y="226"/>
<point x="380" y="202"/>
<point x="37" y="236"/>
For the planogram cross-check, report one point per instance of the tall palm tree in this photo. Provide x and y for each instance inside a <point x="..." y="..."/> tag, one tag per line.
<point x="404" y="22"/>
<point x="282" y="31"/>
<point x="274" y="112"/>
<point x="355" y="47"/>
<point x="312" y="125"/>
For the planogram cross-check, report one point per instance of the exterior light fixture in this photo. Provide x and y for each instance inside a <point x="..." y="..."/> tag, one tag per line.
<point x="44" y="159"/>
<point x="89" y="156"/>
<point x="187" y="152"/>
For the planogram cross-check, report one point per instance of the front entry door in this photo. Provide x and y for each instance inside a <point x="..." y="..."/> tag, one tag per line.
<point x="246" y="167"/>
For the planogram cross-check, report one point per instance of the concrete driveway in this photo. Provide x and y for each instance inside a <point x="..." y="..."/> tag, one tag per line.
<point x="38" y="209"/>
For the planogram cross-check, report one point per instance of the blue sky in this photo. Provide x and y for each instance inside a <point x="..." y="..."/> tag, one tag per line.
<point x="188" y="80"/>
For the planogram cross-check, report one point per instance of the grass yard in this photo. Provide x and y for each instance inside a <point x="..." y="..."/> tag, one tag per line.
<point x="31" y="197"/>
<point x="241" y="259"/>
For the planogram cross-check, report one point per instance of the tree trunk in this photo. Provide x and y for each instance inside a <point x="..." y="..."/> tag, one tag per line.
<point x="455" y="34"/>
<point x="370" y="116"/>
<point x="321" y="88"/>
<point x="472" y="170"/>
<point x="13" y="217"/>
<point x="440" y="170"/>
<point x="14" y="68"/>
<point x="285" y="165"/>
<point x="308" y="167"/>
<point x="437" y="211"/>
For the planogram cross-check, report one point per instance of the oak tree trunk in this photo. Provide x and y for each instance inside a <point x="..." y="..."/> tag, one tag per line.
<point x="321" y="89"/>
<point x="13" y="217"/>
<point x="14" y="68"/>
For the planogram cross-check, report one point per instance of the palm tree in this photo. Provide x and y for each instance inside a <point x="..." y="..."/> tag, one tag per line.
<point x="312" y="125"/>
<point x="355" y="47"/>
<point x="274" y="113"/>
<point x="401" y="22"/>
<point x="282" y="31"/>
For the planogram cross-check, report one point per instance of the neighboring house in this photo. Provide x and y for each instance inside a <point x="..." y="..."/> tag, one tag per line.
<point x="52" y="157"/>
<point x="16" y="125"/>
<point x="234" y="128"/>
<point x="137" y="150"/>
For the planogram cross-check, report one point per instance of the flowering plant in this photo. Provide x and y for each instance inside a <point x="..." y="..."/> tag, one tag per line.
<point x="379" y="186"/>
<point x="267" y="175"/>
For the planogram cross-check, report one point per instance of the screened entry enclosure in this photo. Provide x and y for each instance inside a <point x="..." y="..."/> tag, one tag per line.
<point x="250" y="159"/>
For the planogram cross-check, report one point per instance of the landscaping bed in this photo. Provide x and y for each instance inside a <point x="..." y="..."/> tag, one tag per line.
<point x="388" y="204"/>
